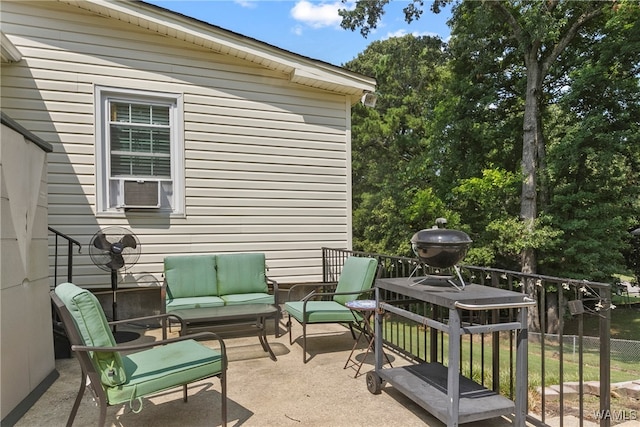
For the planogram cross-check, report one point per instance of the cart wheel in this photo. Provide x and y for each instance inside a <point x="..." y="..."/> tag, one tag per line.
<point x="374" y="382"/>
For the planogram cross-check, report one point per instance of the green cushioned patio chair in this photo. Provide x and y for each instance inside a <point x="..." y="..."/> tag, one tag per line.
<point x="356" y="279"/>
<point x="117" y="378"/>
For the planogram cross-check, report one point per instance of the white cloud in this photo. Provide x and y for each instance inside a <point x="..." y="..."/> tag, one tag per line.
<point x="317" y="15"/>
<point x="399" y="33"/>
<point x="403" y="32"/>
<point x="250" y="4"/>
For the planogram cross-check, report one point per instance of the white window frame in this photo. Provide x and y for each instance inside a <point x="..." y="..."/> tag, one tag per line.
<point x="103" y="97"/>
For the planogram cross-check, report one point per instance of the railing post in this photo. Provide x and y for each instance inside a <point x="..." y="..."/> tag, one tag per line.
<point x="70" y="261"/>
<point x="55" y="261"/>
<point x="522" y="377"/>
<point x="324" y="264"/>
<point x="495" y="344"/>
<point x="605" y="358"/>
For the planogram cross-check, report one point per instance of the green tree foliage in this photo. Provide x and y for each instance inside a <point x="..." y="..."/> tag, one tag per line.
<point x="632" y="254"/>
<point x="521" y="42"/>
<point x="594" y="153"/>
<point x="392" y="197"/>
<point x="486" y="201"/>
<point x="540" y="93"/>
<point x="481" y="123"/>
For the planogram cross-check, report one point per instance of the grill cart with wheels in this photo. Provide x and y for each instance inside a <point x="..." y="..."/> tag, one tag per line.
<point x="441" y="389"/>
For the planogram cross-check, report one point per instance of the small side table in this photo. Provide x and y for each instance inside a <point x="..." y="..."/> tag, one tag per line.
<point x="366" y="309"/>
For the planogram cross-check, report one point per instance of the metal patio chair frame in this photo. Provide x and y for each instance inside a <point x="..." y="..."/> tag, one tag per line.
<point x="92" y="372"/>
<point x="328" y="307"/>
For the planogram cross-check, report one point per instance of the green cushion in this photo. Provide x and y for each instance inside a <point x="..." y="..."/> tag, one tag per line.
<point x="190" y="276"/>
<point x="165" y="367"/>
<point x="241" y="274"/>
<point x="320" y="312"/>
<point x="357" y="276"/>
<point x="193" y="302"/>
<point x="94" y="330"/>
<point x="253" y="298"/>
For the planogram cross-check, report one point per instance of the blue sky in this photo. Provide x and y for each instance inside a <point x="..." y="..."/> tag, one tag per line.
<point x="306" y="27"/>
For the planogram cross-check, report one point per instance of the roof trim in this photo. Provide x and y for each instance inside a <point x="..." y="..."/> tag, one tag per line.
<point x="8" y="121"/>
<point x="8" y="51"/>
<point x="303" y="70"/>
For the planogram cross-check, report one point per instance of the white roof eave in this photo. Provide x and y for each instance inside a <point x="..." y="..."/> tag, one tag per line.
<point x="337" y="83"/>
<point x="8" y="51"/>
<point x="304" y="71"/>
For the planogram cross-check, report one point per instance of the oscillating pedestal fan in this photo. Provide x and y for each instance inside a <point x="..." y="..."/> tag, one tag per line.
<point x="112" y="249"/>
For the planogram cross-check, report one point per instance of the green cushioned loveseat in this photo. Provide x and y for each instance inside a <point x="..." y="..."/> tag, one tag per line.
<point x="216" y="280"/>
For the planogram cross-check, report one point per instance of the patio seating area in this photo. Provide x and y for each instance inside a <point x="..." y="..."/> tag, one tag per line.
<point x="261" y="392"/>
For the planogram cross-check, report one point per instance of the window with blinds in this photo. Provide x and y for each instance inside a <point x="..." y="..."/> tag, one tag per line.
<point x="140" y="137"/>
<point x="139" y="151"/>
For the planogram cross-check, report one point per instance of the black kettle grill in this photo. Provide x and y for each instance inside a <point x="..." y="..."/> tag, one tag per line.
<point x="440" y="247"/>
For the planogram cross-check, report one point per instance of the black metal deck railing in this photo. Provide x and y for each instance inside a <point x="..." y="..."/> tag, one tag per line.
<point x="58" y="252"/>
<point x="62" y="250"/>
<point x="490" y="358"/>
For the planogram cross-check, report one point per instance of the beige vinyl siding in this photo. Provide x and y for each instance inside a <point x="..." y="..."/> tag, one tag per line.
<point x="266" y="160"/>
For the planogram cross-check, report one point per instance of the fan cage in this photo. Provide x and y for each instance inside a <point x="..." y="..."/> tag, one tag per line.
<point x="102" y="257"/>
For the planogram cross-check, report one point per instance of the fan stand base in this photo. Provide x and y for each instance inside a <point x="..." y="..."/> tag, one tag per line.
<point x="125" y="336"/>
<point x="119" y="336"/>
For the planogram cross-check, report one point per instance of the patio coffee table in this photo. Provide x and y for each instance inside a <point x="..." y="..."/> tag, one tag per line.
<point x="251" y="314"/>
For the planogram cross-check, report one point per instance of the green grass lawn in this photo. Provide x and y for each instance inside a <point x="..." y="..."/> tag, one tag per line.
<point x="625" y="301"/>
<point x="625" y="324"/>
<point x="622" y="369"/>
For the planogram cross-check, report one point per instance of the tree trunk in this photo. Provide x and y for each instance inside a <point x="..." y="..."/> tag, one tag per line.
<point x="533" y="144"/>
<point x="553" y="313"/>
<point x="530" y="143"/>
<point x="543" y="181"/>
<point x="529" y="198"/>
<point x="533" y="314"/>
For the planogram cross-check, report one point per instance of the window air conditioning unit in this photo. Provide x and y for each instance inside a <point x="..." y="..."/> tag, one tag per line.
<point x="139" y="194"/>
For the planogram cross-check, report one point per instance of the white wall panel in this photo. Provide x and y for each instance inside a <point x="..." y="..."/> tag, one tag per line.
<point x="266" y="160"/>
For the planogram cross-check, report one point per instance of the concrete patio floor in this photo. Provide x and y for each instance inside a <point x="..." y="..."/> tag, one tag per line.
<point x="261" y="392"/>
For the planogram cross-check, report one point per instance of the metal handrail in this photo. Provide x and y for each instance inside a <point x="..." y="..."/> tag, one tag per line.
<point x="528" y="302"/>
<point x="70" y="242"/>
